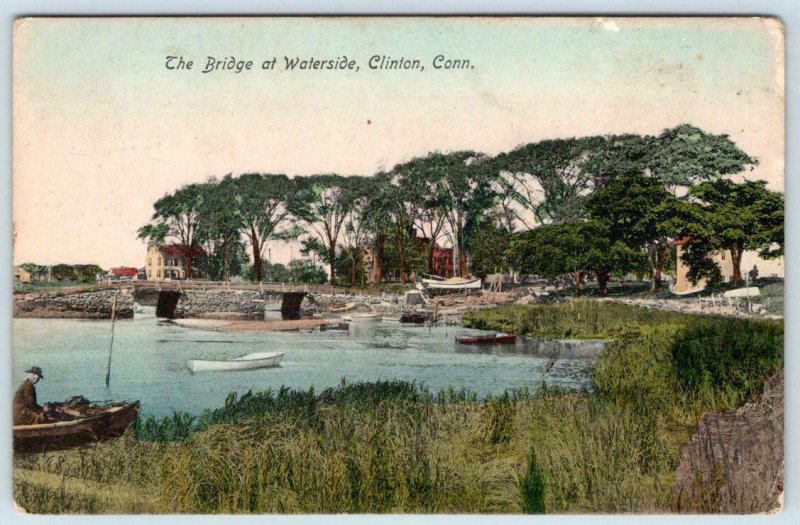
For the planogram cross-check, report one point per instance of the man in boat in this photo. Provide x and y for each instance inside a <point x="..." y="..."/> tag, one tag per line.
<point x="26" y="410"/>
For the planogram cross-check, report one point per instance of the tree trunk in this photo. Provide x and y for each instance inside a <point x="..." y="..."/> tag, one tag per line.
<point x="187" y="266"/>
<point x="332" y="255"/>
<point x="658" y="267"/>
<point x="402" y="246"/>
<point x="602" y="281"/>
<point x="462" y="256"/>
<point x="353" y="264"/>
<point x="577" y="283"/>
<point x="403" y="273"/>
<point x="377" y="262"/>
<point x="736" y="262"/>
<point x="256" y="254"/>
<point x="430" y="257"/>
<point x="225" y="242"/>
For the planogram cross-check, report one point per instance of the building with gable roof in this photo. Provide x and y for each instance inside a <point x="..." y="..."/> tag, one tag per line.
<point x="168" y="261"/>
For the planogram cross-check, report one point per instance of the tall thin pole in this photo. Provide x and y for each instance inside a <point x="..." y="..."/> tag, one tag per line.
<point x="111" y="348"/>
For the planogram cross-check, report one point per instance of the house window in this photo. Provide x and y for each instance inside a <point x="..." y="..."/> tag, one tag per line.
<point x="148" y="274"/>
<point x="723" y="256"/>
<point x="158" y="273"/>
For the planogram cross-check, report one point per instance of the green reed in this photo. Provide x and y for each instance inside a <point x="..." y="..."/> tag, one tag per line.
<point x="393" y="446"/>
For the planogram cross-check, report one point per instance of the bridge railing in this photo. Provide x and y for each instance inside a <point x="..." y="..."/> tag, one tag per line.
<point x="221" y="285"/>
<point x="207" y="285"/>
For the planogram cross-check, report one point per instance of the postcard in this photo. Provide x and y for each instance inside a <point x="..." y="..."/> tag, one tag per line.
<point x="398" y="265"/>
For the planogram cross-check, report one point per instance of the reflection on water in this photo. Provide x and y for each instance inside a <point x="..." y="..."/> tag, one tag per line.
<point x="149" y="360"/>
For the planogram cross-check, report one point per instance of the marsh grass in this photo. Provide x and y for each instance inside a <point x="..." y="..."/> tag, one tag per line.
<point x="396" y="447"/>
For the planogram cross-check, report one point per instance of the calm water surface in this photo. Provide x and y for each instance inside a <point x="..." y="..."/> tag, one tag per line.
<point x="150" y="358"/>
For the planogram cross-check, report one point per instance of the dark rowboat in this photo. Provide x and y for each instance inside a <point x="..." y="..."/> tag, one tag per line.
<point x="495" y="339"/>
<point x="106" y="423"/>
<point x="415" y="318"/>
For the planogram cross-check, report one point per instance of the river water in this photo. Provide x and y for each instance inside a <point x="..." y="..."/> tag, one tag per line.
<point x="150" y="357"/>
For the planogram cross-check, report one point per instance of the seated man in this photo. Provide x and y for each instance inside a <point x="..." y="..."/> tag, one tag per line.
<point x="26" y="410"/>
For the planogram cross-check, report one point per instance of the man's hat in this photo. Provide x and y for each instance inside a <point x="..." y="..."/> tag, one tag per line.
<point x="35" y="370"/>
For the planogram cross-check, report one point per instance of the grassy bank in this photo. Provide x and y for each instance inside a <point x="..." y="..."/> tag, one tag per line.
<point x="395" y="447"/>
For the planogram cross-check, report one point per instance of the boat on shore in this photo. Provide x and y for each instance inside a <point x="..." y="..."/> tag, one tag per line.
<point x="244" y="362"/>
<point x="454" y="284"/>
<point x="75" y="428"/>
<point x="494" y="339"/>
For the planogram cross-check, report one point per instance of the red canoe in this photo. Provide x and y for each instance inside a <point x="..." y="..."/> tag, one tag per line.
<point x="496" y="339"/>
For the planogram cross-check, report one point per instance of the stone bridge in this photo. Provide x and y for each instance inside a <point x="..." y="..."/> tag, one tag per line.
<point x="177" y="299"/>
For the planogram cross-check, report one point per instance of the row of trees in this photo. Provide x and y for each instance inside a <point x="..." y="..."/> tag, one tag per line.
<point x="604" y="205"/>
<point x="63" y="272"/>
<point x="632" y="219"/>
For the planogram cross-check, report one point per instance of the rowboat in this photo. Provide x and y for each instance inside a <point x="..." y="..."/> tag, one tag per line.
<point x="244" y="362"/>
<point x="103" y="424"/>
<point x="454" y="284"/>
<point x="367" y="316"/>
<point x="494" y="339"/>
<point x="415" y="318"/>
<point x="391" y="318"/>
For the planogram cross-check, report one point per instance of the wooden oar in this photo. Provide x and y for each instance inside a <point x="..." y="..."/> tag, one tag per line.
<point x="111" y="348"/>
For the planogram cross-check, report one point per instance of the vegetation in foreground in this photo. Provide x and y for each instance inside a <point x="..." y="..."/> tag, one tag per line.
<point x="395" y="447"/>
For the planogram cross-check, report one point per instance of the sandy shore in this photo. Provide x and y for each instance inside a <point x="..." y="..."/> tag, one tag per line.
<point x="274" y="326"/>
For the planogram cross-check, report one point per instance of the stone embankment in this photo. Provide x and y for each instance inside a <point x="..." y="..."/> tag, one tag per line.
<point x="694" y="306"/>
<point x="719" y="307"/>
<point x="734" y="462"/>
<point x="226" y="304"/>
<point x="96" y="304"/>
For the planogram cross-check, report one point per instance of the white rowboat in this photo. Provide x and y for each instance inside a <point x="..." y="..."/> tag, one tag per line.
<point x="244" y="362"/>
<point x="453" y="284"/>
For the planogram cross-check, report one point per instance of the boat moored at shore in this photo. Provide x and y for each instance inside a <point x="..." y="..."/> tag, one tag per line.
<point x="75" y="428"/>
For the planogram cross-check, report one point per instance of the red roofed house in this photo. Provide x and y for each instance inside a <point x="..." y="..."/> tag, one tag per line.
<point x="124" y="273"/>
<point x="168" y="261"/>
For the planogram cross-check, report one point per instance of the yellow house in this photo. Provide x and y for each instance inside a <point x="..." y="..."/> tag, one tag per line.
<point x="766" y="268"/>
<point x="21" y="275"/>
<point x="168" y="261"/>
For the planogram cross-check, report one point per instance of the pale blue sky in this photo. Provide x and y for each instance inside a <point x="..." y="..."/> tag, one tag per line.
<point x="102" y="129"/>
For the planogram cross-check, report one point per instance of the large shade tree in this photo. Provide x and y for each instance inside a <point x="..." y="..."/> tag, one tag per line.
<point x="571" y="248"/>
<point x="262" y="204"/>
<point x="686" y="155"/>
<point x="378" y="218"/>
<point x="461" y="184"/>
<point x="177" y="217"/>
<point x="324" y="203"/>
<point x="218" y="229"/>
<point x="633" y="208"/>
<point x="421" y="208"/>
<point x="742" y="216"/>
<point x="548" y="178"/>
<point x="676" y="159"/>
